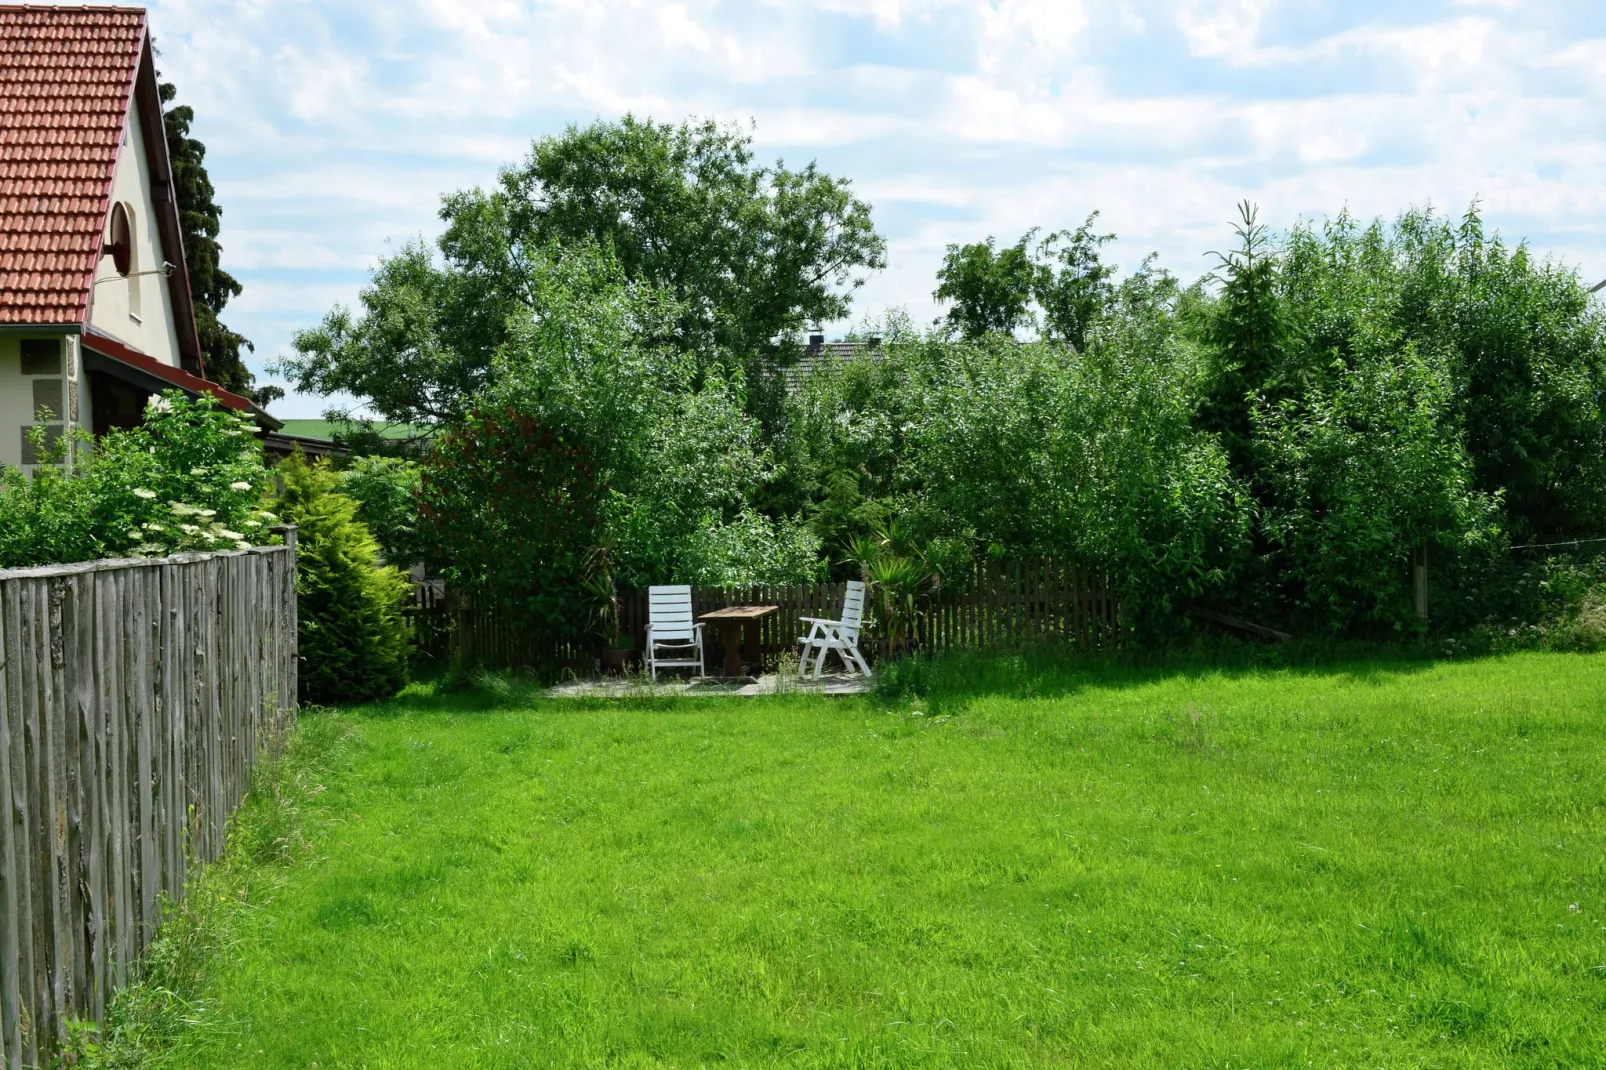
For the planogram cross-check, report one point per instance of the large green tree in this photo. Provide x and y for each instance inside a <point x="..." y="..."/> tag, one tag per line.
<point x="988" y="290"/>
<point x="200" y="219"/>
<point x="750" y="254"/>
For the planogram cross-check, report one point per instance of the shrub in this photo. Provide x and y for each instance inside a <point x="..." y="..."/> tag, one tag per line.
<point x="354" y="645"/>
<point x="386" y="492"/>
<point x="190" y="478"/>
<point x="1584" y="629"/>
<point x="748" y="550"/>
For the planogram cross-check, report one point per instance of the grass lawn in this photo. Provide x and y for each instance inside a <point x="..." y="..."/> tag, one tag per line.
<point x="1374" y="865"/>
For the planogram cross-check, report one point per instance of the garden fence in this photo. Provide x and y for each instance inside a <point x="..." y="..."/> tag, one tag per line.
<point x="135" y="697"/>
<point x="1031" y="599"/>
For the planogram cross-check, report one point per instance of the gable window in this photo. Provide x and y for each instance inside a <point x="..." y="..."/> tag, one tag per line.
<point x="134" y="309"/>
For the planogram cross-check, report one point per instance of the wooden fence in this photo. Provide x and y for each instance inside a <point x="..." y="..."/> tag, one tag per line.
<point x="1034" y="599"/>
<point x="134" y="699"/>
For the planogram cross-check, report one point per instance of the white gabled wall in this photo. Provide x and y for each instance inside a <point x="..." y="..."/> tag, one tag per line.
<point x="146" y="322"/>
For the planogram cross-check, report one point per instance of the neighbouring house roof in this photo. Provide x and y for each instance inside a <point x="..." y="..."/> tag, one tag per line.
<point x="68" y="76"/>
<point x="820" y="354"/>
<point x="327" y="429"/>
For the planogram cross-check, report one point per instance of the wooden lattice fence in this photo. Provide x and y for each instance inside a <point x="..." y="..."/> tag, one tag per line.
<point x="1033" y="599"/>
<point x="135" y="697"/>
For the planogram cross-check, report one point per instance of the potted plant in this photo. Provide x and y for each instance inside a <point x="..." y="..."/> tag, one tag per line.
<point x="616" y="648"/>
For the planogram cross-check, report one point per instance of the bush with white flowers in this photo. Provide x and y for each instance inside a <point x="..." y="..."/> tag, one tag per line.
<point x="190" y="478"/>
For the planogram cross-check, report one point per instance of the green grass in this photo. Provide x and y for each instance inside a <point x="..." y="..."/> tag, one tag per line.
<point x="1371" y="865"/>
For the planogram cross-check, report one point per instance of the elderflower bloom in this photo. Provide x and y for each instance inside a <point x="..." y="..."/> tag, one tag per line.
<point x="208" y="513"/>
<point x="253" y="523"/>
<point x="239" y="484"/>
<point x="227" y="534"/>
<point x="141" y="492"/>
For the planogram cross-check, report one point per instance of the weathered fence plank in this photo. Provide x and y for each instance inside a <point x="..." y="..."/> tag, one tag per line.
<point x="135" y="697"/>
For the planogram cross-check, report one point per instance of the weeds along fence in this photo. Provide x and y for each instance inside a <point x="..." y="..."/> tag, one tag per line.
<point x="135" y="697"/>
<point x="1032" y="599"/>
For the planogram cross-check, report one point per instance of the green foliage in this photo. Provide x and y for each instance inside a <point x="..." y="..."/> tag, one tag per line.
<point x="990" y="288"/>
<point x="386" y="491"/>
<point x="750" y="548"/>
<point x="1246" y="335"/>
<point x="353" y="637"/>
<point x="1276" y="440"/>
<point x="599" y="430"/>
<point x="899" y="577"/>
<point x="199" y="221"/>
<point x="1040" y="449"/>
<point x="189" y="478"/>
<point x="1379" y="388"/>
<point x="422" y="346"/>
<point x="1368" y="468"/>
<point x="752" y="254"/>
<point x="1073" y="287"/>
<point x="747" y="254"/>
<point x="994" y="291"/>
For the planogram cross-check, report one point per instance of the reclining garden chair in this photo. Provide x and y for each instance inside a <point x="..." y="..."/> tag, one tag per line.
<point x="841" y="636"/>
<point x="669" y="625"/>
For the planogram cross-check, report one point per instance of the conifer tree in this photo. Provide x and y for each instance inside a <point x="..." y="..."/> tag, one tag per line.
<point x="200" y="219"/>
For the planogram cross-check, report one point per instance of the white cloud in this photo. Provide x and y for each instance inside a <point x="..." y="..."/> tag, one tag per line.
<point x="334" y="126"/>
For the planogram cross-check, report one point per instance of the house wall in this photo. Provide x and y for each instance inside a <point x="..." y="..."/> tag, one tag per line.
<point x="18" y="393"/>
<point x="137" y="310"/>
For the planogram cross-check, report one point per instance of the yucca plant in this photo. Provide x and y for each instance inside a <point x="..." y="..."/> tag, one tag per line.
<point x="599" y="582"/>
<point x="898" y="581"/>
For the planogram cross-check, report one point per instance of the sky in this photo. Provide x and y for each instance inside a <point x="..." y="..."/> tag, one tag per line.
<point x="333" y="128"/>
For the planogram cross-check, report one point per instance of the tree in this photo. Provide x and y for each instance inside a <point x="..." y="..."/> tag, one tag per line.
<point x="1246" y="334"/>
<point x="353" y="635"/>
<point x="749" y="254"/>
<point x="991" y="289"/>
<point x="200" y="219"/>
<point x="1076" y="295"/>
<point x="421" y="348"/>
<point x="995" y="290"/>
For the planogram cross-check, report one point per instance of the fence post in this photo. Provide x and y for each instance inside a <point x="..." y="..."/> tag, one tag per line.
<point x="1419" y="570"/>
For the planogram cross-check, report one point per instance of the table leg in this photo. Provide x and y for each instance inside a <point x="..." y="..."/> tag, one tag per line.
<point x="730" y="633"/>
<point x="750" y="644"/>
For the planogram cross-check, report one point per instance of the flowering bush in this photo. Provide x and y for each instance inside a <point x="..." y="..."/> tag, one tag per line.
<point x="190" y="478"/>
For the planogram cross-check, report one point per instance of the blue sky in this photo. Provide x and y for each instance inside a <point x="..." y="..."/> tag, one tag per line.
<point x="332" y="127"/>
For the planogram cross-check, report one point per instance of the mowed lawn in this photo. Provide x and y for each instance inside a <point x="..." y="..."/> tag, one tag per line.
<point x="1371" y="865"/>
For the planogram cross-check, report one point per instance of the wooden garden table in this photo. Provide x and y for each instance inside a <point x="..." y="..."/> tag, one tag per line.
<point x="738" y="629"/>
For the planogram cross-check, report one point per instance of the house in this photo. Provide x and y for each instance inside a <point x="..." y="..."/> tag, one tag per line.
<point x="95" y="305"/>
<point x="820" y="355"/>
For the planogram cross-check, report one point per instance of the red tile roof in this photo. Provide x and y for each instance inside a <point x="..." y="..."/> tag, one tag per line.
<point x="66" y="79"/>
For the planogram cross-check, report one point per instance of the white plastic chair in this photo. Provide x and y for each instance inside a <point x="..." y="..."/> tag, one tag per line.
<point x="669" y="624"/>
<point x="841" y="636"/>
